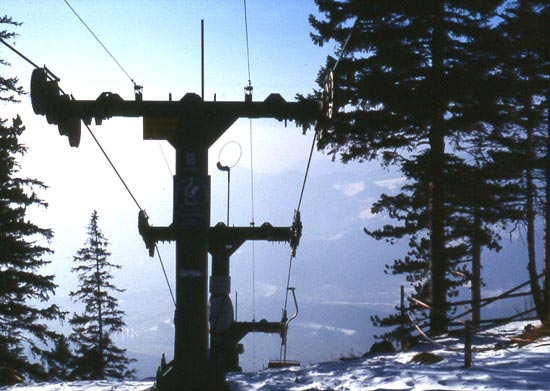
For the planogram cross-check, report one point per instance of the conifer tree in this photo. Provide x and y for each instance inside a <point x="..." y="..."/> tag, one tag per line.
<point x="473" y="222"/>
<point x="525" y="137"/>
<point x="96" y="356"/>
<point x="60" y="360"/>
<point x="415" y="78"/>
<point x="24" y="291"/>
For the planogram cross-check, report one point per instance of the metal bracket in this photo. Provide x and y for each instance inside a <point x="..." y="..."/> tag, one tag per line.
<point x="221" y="237"/>
<point x="296" y="232"/>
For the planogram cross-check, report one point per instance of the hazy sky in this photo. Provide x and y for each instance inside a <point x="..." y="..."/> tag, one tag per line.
<point x="158" y="43"/>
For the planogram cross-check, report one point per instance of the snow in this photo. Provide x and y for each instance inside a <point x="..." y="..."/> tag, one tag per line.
<point x="498" y="364"/>
<point x="85" y="386"/>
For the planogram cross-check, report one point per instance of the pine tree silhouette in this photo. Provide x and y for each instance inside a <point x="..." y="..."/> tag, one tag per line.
<point x="416" y="77"/>
<point x="96" y="356"/>
<point x="60" y="360"/>
<point x="23" y="248"/>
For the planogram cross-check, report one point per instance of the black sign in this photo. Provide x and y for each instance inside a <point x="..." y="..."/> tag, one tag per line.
<point x="191" y="201"/>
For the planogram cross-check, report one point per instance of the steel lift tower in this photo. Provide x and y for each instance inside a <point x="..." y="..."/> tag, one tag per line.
<point x="191" y="125"/>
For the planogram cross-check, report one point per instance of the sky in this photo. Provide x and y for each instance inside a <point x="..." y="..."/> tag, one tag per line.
<point x="338" y="272"/>
<point x="158" y="43"/>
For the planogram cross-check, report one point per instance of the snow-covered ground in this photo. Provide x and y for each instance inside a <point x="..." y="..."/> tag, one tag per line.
<point x="508" y="367"/>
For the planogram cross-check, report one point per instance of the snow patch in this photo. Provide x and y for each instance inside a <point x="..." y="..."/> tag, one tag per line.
<point x="513" y="368"/>
<point x="319" y="327"/>
<point x="104" y="385"/>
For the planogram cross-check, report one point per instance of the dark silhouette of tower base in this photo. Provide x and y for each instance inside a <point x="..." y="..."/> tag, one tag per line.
<point x="191" y="125"/>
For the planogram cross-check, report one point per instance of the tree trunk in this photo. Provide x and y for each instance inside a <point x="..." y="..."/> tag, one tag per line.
<point x="100" y="347"/>
<point x="438" y="265"/>
<point x="530" y="209"/>
<point x="546" y="319"/>
<point x="438" y="282"/>
<point x="476" y="269"/>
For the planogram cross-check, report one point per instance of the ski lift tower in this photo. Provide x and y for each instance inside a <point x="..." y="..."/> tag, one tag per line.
<point x="191" y="125"/>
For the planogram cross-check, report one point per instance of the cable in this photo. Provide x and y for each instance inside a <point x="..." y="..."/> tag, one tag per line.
<point x="298" y="208"/>
<point x="19" y="53"/>
<point x="248" y="96"/>
<point x="251" y="175"/>
<point x="101" y="43"/>
<point x="328" y="79"/>
<point x="165" y="275"/>
<point x="136" y="88"/>
<point x="250" y="121"/>
<point x="247" y="44"/>
<point x="87" y="127"/>
<point x="345" y="44"/>
<point x="165" y="160"/>
<point x="282" y="354"/>
<point x="104" y="154"/>
<point x="307" y="171"/>
<point x="137" y="204"/>
<point x="113" y="167"/>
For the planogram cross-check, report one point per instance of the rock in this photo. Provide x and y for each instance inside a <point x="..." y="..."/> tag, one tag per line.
<point x="426" y="358"/>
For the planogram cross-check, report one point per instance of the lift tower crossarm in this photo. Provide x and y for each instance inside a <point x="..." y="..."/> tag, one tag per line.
<point x="109" y="105"/>
<point x="162" y="120"/>
<point x="220" y="236"/>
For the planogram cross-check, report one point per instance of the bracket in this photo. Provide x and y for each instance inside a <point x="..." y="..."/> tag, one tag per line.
<point x="221" y="237"/>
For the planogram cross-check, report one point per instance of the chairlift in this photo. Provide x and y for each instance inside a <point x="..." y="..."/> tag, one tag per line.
<point x="282" y="362"/>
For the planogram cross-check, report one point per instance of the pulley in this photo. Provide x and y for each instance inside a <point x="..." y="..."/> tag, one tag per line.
<point x="41" y="91"/>
<point x="138" y="92"/>
<point x="248" y="92"/>
<point x="70" y="127"/>
<point x="46" y="99"/>
<point x="144" y="230"/>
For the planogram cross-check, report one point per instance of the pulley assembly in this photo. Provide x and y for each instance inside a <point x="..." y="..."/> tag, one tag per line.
<point x="46" y="99"/>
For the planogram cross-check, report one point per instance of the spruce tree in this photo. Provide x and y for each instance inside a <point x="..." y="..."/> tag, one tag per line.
<point x="473" y="222"/>
<point x="24" y="290"/>
<point x="526" y="27"/>
<point x="96" y="356"/>
<point x="60" y="360"/>
<point x="525" y="137"/>
<point x="415" y="78"/>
